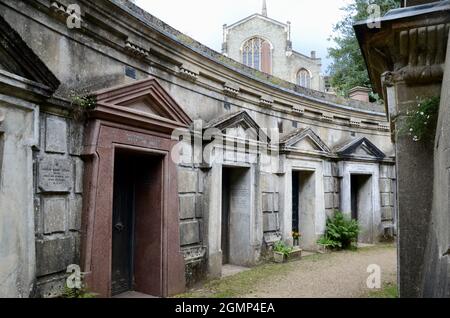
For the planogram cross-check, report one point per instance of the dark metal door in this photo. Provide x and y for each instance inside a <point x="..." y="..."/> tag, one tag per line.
<point x="123" y="223"/>
<point x="295" y="201"/>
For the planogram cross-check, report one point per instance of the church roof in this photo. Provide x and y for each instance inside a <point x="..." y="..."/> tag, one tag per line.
<point x="257" y="16"/>
<point x="184" y="40"/>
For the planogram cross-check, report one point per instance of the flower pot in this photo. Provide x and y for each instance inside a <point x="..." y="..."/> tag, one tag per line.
<point x="323" y="250"/>
<point x="279" y="257"/>
<point x="296" y="254"/>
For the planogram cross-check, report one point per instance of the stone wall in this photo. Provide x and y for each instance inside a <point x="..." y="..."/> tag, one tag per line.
<point x="388" y="184"/>
<point x="58" y="172"/>
<point x="331" y="188"/>
<point x="190" y="189"/>
<point x="270" y="208"/>
<point x="97" y="57"/>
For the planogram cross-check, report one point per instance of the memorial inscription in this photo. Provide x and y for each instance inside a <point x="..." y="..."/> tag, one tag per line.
<point x="55" y="175"/>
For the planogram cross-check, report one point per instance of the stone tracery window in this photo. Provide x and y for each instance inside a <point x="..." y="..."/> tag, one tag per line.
<point x="304" y="78"/>
<point x="257" y="53"/>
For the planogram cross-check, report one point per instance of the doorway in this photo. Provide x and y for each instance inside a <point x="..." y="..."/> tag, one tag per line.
<point x="304" y="207"/>
<point x="137" y="224"/>
<point x="361" y="206"/>
<point x="236" y="216"/>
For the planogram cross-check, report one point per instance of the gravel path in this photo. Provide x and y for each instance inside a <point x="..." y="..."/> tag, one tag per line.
<point x="338" y="275"/>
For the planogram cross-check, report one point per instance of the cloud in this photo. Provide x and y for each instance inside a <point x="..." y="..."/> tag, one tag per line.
<point x="312" y="20"/>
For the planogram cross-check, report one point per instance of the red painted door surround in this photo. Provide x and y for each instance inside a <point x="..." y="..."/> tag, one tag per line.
<point x="139" y="119"/>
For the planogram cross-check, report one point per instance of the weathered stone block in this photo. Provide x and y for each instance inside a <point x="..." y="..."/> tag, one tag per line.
<point x="199" y="206"/>
<point x="270" y="222"/>
<point x="51" y="287"/>
<point x="187" y="207"/>
<point x="329" y="201"/>
<point x="53" y="256"/>
<point x="267" y="184"/>
<point x="189" y="233"/>
<point x="387" y="213"/>
<point x="187" y="181"/>
<point x="386" y="199"/>
<point x="54" y="213"/>
<point x="328" y="184"/>
<point x="267" y="202"/>
<point x="79" y="176"/>
<point x="75" y="212"/>
<point x="387" y="172"/>
<point x="385" y="185"/>
<point x="337" y="201"/>
<point x="56" y="135"/>
<point x="55" y="175"/>
<point x="337" y="185"/>
<point x="276" y="198"/>
<point x="76" y="138"/>
<point x="327" y="169"/>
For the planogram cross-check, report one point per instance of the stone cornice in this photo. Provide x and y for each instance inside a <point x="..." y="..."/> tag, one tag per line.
<point x="170" y="56"/>
<point x="411" y="46"/>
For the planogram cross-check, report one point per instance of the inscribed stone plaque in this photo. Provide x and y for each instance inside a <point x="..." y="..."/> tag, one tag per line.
<point x="55" y="175"/>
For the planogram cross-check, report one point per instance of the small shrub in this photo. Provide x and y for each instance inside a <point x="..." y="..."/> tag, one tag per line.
<point x="341" y="232"/>
<point x="281" y="247"/>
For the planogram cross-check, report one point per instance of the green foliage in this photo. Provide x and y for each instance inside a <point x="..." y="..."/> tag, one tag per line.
<point x="81" y="103"/>
<point x="77" y="293"/>
<point x="348" y="68"/>
<point x="281" y="247"/>
<point x="341" y="232"/>
<point x="86" y="102"/>
<point x="421" y="121"/>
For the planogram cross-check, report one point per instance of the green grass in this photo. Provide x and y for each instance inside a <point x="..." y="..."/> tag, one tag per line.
<point x="245" y="282"/>
<point x="389" y="290"/>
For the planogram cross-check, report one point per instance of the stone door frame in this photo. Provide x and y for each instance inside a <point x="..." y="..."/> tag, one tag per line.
<point x="214" y="217"/>
<point x="304" y="164"/>
<point x="114" y="125"/>
<point x="346" y="170"/>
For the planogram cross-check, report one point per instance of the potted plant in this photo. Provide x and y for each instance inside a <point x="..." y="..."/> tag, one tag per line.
<point x="281" y="252"/>
<point x="296" y="237"/>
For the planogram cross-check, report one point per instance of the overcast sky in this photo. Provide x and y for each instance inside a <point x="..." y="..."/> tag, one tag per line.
<point x="312" y="20"/>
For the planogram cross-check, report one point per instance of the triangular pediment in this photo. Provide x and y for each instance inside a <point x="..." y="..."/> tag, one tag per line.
<point x="361" y="147"/>
<point x="146" y="98"/>
<point x="239" y="125"/>
<point x="18" y="58"/>
<point x="257" y="16"/>
<point x="305" y="140"/>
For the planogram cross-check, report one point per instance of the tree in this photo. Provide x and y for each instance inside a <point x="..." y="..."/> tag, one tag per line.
<point x="348" y="68"/>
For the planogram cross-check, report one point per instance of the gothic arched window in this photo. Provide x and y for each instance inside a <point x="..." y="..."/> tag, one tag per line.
<point x="257" y="53"/>
<point x="304" y="78"/>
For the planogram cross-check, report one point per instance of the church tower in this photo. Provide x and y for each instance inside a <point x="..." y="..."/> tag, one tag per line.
<point x="264" y="9"/>
<point x="265" y="44"/>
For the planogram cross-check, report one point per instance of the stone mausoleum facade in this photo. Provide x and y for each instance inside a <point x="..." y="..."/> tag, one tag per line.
<point x="151" y="161"/>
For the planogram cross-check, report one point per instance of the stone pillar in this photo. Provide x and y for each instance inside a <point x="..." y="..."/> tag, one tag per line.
<point x="406" y="58"/>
